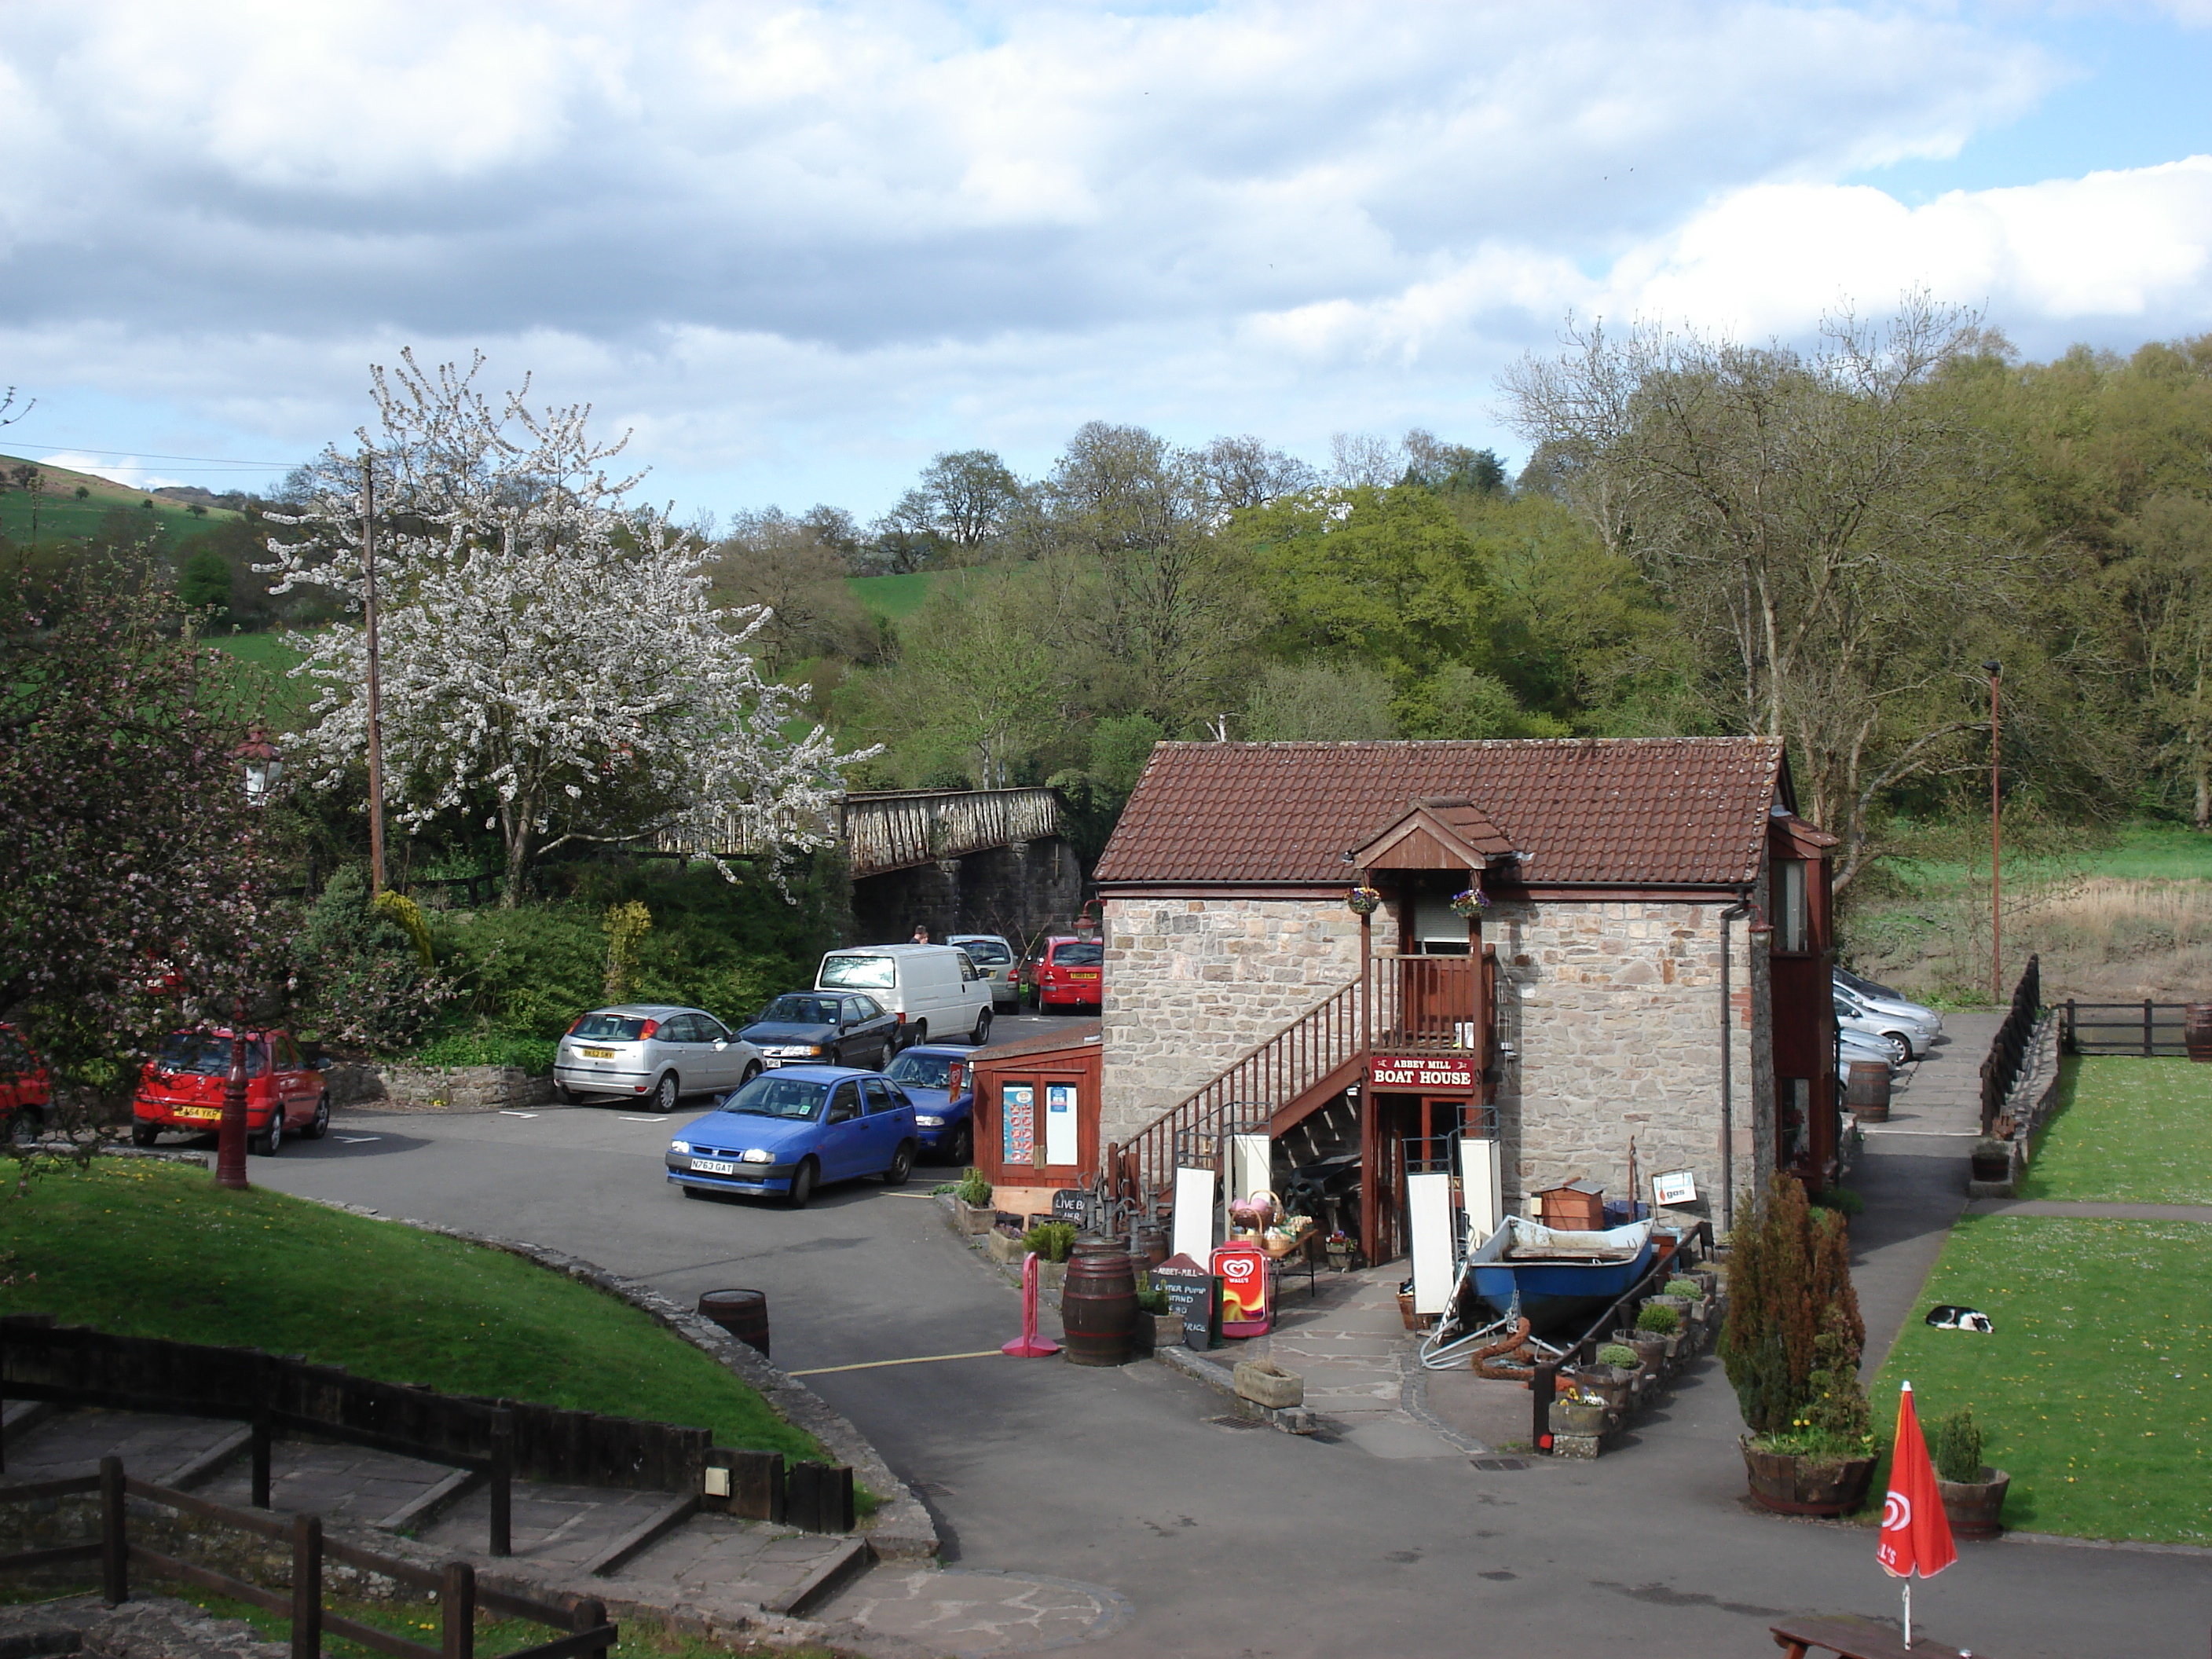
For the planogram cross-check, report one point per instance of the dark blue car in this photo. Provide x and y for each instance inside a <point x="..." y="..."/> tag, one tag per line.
<point x="790" y="1131"/>
<point x="936" y="1078"/>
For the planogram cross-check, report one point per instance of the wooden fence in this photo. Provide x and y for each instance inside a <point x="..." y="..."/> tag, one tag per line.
<point x="2148" y="1029"/>
<point x="459" y="1596"/>
<point x="2008" y="1048"/>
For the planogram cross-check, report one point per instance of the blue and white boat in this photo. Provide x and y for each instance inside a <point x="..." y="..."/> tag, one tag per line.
<point x="1549" y="1275"/>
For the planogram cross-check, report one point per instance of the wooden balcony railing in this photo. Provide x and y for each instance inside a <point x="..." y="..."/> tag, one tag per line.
<point x="1419" y="1005"/>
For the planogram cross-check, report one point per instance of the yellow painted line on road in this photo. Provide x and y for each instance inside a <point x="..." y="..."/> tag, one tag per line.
<point x="919" y="1359"/>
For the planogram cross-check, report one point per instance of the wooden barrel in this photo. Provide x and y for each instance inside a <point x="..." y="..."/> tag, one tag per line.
<point x="1099" y="1304"/>
<point x="2196" y="1030"/>
<point x="743" y="1313"/>
<point x="1866" y="1091"/>
<point x="1151" y="1240"/>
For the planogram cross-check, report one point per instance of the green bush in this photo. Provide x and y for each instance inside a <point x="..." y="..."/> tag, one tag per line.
<point x="1958" y="1447"/>
<point x="1052" y="1240"/>
<point x="1153" y="1302"/>
<point x="358" y="977"/>
<point x="1660" y="1321"/>
<point x="973" y="1190"/>
<point x="478" y="1049"/>
<point x="1688" y="1287"/>
<point x="1619" y="1354"/>
<point x="1793" y="1334"/>
<point x="1841" y="1199"/>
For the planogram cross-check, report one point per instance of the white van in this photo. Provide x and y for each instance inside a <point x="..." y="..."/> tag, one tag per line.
<point x="934" y="989"/>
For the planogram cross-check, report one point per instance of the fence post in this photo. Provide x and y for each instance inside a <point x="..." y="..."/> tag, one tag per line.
<point x="262" y="1429"/>
<point x="2147" y="1047"/>
<point x="502" y="1483"/>
<point x="2068" y="1042"/>
<point x="306" y="1587"/>
<point x="591" y="1614"/>
<point x="457" y="1606"/>
<point x="1543" y="1389"/>
<point x="114" y="1544"/>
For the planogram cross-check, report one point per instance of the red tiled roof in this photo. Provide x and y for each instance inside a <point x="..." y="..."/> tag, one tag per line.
<point x="1630" y="811"/>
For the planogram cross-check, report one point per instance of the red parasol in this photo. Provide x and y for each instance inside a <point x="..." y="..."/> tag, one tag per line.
<point x="1916" y="1534"/>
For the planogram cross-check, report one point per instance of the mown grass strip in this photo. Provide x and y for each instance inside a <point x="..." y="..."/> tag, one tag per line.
<point x="158" y="1250"/>
<point x="2094" y="1390"/>
<point x="2127" y="1131"/>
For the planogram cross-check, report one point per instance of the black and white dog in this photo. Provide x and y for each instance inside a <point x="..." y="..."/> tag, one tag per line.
<point x="1945" y="1317"/>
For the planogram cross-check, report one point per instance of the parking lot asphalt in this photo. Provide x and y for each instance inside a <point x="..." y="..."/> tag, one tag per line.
<point x="1227" y="1540"/>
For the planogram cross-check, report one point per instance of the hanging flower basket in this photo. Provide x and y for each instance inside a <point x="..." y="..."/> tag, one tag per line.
<point x="1470" y="901"/>
<point x="1363" y="901"/>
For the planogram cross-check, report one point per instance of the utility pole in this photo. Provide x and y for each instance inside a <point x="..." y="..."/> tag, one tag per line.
<point x="1996" y="881"/>
<point x="375" y="711"/>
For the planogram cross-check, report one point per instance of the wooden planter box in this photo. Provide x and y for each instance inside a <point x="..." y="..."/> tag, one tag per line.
<point x="1790" y="1485"/>
<point x="972" y="1220"/>
<point x="1976" y="1508"/>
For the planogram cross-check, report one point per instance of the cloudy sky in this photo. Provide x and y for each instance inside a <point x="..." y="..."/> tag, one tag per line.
<point x="801" y="248"/>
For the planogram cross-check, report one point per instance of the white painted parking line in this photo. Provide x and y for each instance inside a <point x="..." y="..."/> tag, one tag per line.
<point x="641" y="1120"/>
<point x="358" y="1141"/>
<point x="508" y="1111"/>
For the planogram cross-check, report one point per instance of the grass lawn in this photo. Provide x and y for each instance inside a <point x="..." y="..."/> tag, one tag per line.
<point x="265" y="662"/>
<point x="896" y="597"/>
<point x="2094" y="1390"/>
<point x="2128" y="1131"/>
<point x="158" y="1250"/>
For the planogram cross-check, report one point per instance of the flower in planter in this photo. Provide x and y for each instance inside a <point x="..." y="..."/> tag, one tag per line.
<point x="1363" y="901"/>
<point x="1469" y="899"/>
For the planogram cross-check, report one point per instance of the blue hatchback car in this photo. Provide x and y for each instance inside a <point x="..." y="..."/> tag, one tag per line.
<point x="935" y="1077"/>
<point x="788" y="1132"/>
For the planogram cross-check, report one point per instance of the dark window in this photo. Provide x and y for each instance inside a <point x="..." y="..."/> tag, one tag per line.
<point x="923" y="1071"/>
<point x="772" y="1095"/>
<point x="845" y="1103"/>
<point x="991" y="951"/>
<point x="801" y="1010"/>
<point x="865" y="1007"/>
<point x="880" y="1098"/>
<point x="607" y="1028"/>
<point x="1079" y="953"/>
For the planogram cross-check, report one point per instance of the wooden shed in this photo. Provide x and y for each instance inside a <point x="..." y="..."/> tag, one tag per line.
<point x="1037" y="1114"/>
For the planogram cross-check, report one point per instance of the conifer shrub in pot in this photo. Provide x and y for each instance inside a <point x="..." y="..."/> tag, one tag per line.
<point x="1973" y="1493"/>
<point x="1791" y="1345"/>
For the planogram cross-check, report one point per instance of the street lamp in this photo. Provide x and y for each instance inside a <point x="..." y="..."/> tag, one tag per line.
<point x="230" y="1131"/>
<point x="1994" y="670"/>
<point x="265" y="767"/>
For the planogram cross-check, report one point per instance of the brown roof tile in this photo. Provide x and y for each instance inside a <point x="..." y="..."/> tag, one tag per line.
<point x="1661" y="810"/>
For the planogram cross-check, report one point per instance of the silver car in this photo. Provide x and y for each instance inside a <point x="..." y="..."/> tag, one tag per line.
<point x="998" y="962"/>
<point x="651" y="1051"/>
<point x="1907" y="1036"/>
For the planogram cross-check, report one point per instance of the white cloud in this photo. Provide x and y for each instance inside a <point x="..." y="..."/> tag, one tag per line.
<point x="799" y="246"/>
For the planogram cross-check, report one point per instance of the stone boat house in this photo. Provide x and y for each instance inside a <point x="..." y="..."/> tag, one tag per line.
<point x="1648" y="958"/>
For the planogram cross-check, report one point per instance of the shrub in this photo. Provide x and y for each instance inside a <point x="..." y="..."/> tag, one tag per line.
<point x="1052" y="1240"/>
<point x="1958" y="1447"/>
<point x="1660" y="1321"/>
<point x="1688" y="1287"/>
<point x="360" y="977"/>
<point x="1841" y="1199"/>
<point x="973" y="1190"/>
<point x="625" y="925"/>
<point x="1789" y="1285"/>
<point x="1153" y="1302"/>
<point x="1618" y="1353"/>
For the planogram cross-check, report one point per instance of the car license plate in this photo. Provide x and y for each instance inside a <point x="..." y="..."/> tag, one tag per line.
<point x="712" y="1166"/>
<point x="1085" y="972"/>
<point x="597" y="1054"/>
<point x="770" y="1062"/>
<point x="196" y="1111"/>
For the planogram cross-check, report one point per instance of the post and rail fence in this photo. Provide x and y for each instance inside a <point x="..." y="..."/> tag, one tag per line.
<point x="2148" y="1029"/>
<point x="460" y="1595"/>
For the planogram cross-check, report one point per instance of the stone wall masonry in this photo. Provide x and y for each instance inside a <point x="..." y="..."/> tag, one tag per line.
<point x="1195" y="984"/>
<point x="1613" y="1009"/>
<point x="394" y="1085"/>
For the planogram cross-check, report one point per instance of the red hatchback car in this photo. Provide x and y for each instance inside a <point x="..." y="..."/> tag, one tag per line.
<point x="1066" y="971"/>
<point x="181" y="1089"/>
<point x="26" y="1092"/>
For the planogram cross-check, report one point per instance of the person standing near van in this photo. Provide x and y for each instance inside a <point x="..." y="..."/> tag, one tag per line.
<point x="921" y="933"/>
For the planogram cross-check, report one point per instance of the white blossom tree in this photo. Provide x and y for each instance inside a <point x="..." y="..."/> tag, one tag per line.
<point x="550" y="657"/>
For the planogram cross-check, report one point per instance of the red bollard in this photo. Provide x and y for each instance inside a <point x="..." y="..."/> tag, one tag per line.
<point x="1029" y="1345"/>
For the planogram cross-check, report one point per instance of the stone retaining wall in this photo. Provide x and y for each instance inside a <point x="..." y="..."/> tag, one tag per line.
<point x="395" y="1085"/>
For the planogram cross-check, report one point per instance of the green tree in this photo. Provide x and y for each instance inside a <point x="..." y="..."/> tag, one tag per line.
<point x="203" y="582"/>
<point x="1319" y="701"/>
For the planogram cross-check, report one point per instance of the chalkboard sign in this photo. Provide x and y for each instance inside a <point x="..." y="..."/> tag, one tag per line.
<point x="1071" y="1204"/>
<point x="1196" y="1295"/>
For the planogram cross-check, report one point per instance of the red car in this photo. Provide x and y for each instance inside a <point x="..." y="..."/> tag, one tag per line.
<point x="181" y="1089"/>
<point x="27" y="1091"/>
<point x="1066" y="971"/>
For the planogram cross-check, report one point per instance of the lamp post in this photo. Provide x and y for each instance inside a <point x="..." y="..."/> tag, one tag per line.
<point x="265" y="766"/>
<point x="1994" y="670"/>
<point x="230" y="1134"/>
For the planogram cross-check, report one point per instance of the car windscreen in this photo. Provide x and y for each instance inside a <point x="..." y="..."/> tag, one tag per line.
<point x="1079" y="953"/>
<point x="859" y="973"/>
<point x="608" y="1028"/>
<point x="989" y="952"/>
<point x="771" y="1095"/>
<point x="206" y="1055"/>
<point x="800" y="1010"/>
<point x="923" y="1071"/>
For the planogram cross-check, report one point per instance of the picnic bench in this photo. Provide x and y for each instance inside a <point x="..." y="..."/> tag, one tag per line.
<point x="1853" y="1636"/>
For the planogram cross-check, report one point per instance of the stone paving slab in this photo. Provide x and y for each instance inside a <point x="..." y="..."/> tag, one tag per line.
<point x="152" y="1448"/>
<point x="971" y="1613"/>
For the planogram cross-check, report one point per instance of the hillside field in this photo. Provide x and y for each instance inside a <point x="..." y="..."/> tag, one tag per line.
<point x="62" y="517"/>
